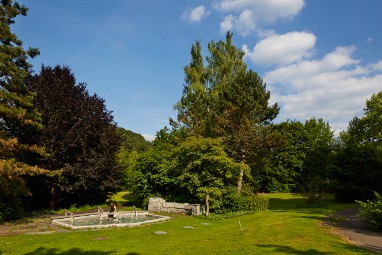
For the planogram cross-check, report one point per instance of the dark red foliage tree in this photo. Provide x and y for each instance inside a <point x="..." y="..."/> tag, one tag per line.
<point x="79" y="134"/>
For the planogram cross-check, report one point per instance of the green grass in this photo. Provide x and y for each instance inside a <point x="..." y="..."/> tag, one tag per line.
<point x="288" y="227"/>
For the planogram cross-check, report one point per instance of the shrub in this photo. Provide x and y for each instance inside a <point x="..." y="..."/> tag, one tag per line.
<point x="12" y="190"/>
<point x="237" y="205"/>
<point x="372" y="210"/>
<point x="11" y="210"/>
<point x="245" y="202"/>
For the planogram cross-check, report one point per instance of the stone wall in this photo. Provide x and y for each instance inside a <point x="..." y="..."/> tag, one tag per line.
<point x="157" y="204"/>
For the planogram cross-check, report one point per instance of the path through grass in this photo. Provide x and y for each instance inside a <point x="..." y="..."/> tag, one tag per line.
<point x="288" y="227"/>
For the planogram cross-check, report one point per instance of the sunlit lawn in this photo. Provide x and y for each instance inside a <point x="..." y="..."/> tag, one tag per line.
<point x="288" y="227"/>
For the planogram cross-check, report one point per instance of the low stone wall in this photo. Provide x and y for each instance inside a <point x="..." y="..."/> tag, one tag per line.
<point x="157" y="204"/>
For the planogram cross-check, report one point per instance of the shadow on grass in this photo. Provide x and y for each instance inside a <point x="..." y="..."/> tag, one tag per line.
<point x="287" y="203"/>
<point x="131" y="199"/>
<point x="290" y="250"/>
<point x="297" y="201"/>
<point x="283" y="249"/>
<point x="77" y="251"/>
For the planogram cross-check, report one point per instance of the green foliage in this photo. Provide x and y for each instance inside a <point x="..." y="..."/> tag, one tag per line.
<point x="187" y="169"/>
<point x="223" y="99"/>
<point x="133" y="145"/>
<point x="19" y="120"/>
<point x="372" y="210"/>
<point x="153" y="175"/>
<point x="282" y="171"/>
<point x="204" y="168"/>
<point x="132" y="141"/>
<point x="12" y="188"/>
<point x="357" y="172"/>
<point x="358" y="162"/>
<point x="246" y="202"/>
<point x="318" y="148"/>
<point x="127" y="162"/>
<point x="300" y="160"/>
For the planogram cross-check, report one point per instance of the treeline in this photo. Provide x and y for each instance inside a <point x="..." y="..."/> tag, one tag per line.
<point x="59" y="145"/>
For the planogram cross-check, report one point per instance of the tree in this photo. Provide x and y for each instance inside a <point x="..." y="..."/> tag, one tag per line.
<point x="193" y="107"/>
<point x="205" y="170"/>
<point x="186" y="168"/>
<point x="80" y="136"/>
<point x="319" y="141"/>
<point x="244" y="123"/>
<point x="225" y="100"/>
<point x="132" y="141"/>
<point x="358" y="163"/>
<point x="282" y="171"/>
<point x="154" y="173"/>
<point x="368" y="129"/>
<point x="19" y="121"/>
<point x="200" y="101"/>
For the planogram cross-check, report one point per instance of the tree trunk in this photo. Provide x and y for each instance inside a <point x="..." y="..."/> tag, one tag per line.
<point x="207" y="204"/>
<point x="241" y="174"/>
<point x="53" y="205"/>
<point x="240" y="181"/>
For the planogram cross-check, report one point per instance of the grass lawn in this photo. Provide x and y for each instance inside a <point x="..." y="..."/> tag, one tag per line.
<point x="288" y="227"/>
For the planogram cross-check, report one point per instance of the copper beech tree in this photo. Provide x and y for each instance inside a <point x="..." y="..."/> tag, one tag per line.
<point x="80" y="136"/>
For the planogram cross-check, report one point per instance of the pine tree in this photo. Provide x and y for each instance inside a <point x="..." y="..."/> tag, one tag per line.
<point x="19" y="121"/>
<point x="224" y="99"/>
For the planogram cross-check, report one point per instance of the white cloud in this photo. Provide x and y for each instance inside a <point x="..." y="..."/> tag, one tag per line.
<point x="196" y="14"/>
<point x="149" y="137"/>
<point x="334" y="88"/>
<point x="249" y="16"/>
<point x="282" y="49"/>
<point x="244" y="23"/>
<point x="227" y="24"/>
<point x="377" y="66"/>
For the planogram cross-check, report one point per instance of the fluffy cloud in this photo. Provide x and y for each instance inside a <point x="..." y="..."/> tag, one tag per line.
<point x="148" y="137"/>
<point x="247" y="16"/>
<point x="196" y="14"/>
<point x="334" y="88"/>
<point x="282" y="49"/>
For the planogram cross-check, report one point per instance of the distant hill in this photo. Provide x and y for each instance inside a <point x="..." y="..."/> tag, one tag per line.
<point x="133" y="141"/>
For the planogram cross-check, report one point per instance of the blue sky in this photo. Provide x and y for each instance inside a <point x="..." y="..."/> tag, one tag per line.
<point x="319" y="59"/>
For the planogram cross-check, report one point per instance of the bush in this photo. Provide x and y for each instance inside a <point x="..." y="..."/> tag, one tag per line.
<point x="12" y="190"/>
<point x="11" y="210"/>
<point x="237" y="205"/>
<point x="246" y="202"/>
<point x="372" y="210"/>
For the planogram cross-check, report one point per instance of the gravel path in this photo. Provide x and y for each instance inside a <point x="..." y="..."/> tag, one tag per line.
<point x="355" y="229"/>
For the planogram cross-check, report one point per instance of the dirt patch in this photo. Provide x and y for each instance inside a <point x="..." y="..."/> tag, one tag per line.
<point x="32" y="225"/>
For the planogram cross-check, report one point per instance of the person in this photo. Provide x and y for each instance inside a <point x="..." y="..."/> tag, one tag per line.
<point x="113" y="208"/>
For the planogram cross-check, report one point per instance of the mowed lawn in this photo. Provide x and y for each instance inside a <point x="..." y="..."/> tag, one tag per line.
<point x="288" y="227"/>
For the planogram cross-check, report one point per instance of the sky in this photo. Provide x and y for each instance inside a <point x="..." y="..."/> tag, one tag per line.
<point x="318" y="58"/>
